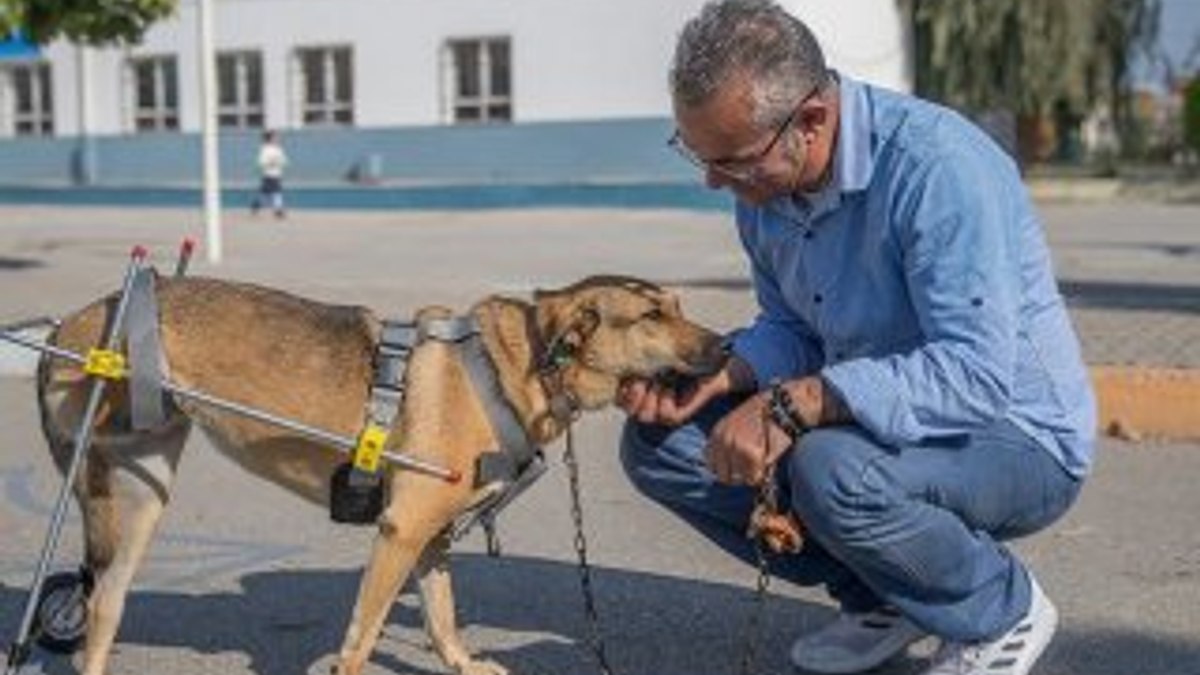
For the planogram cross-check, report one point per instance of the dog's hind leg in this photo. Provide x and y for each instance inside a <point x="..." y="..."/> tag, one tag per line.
<point x="94" y="493"/>
<point x="120" y="527"/>
<point x="437" y="602"/>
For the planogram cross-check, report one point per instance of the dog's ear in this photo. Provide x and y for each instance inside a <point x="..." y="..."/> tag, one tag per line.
<point x="565" y="321"/>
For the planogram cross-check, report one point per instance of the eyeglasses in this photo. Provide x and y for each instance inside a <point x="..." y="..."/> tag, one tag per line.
<point x="741" y="169"/>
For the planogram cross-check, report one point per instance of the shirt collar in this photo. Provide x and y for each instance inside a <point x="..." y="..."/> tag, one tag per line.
<point x="853" y="162"/>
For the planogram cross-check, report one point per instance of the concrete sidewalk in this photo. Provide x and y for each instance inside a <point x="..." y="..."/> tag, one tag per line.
<point x="254" y="582"/>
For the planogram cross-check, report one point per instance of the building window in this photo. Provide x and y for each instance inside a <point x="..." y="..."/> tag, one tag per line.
<point x="481" y="80"/>
<point x="32" y="99"/>
<point x="155" y="93"/>
<point x="240" y="90"/>
<point x="326" y="85"/>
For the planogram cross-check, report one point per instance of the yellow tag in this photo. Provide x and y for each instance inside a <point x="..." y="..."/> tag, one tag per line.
<point x="105" y="363"/>
<point x="370" y="448"/>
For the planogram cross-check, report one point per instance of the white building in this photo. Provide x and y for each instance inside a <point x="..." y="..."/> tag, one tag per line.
<point x="390" y="63"/>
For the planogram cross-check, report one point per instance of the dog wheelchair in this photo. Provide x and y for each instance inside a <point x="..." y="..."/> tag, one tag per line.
<point x="55" y="613"/>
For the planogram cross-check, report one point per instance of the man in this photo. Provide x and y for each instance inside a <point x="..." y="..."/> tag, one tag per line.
<point x="924" y="389"/>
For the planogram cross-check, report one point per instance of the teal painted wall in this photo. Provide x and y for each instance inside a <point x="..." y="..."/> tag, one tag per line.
<point x="617" y="151"/>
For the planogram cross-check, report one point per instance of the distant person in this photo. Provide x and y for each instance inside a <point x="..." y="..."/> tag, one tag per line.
<point x="912" y="372"/>
<point x="271" y="162"/>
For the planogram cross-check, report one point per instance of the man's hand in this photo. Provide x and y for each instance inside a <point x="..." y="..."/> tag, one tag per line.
<point x="654" y="402"/>
<point x="742" y="446"/>
<point x="738" y="452"/>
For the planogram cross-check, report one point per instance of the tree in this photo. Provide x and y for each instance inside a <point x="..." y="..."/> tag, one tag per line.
<point x="1037" y="58"/>
<point x="87" y="21"/>
<point x="1191" y="114"/>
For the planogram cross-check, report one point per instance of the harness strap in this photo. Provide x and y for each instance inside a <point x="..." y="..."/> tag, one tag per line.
<point x="396" y="343"/>
<point x="453" y="329"/>
<point x="515" y="465"/>
<point x="516" y="448"/>
<point x="145" y="353"/>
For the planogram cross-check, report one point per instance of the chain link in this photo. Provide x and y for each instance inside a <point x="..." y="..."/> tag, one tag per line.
<point x="595" y="638"/>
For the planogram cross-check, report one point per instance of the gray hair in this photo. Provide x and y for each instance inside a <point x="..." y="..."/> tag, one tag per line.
<point x="756" y="38"/>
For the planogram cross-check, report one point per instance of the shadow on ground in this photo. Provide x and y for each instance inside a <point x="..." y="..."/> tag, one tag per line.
<point x="292" y="622"/>
<point x="8" y="264"/>
<point x="1132" y="296"/>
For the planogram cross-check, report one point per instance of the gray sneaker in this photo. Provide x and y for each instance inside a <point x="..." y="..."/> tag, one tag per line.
<point x="855" y="642"/>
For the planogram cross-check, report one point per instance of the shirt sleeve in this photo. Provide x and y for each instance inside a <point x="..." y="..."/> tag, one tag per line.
<point x="778" y="344"/>
<point x="956" y="228"/>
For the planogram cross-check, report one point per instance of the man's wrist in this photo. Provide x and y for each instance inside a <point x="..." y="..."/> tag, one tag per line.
<point x="817" y="403"/>
<point x="782" y="411"/>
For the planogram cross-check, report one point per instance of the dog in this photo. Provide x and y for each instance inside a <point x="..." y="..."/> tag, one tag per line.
<point x="312" y="362"/>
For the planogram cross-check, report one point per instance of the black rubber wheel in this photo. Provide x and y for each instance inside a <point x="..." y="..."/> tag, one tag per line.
<point x="61" y="619"/>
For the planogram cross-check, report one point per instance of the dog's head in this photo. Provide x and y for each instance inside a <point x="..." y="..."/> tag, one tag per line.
<point x="604" y="329"/>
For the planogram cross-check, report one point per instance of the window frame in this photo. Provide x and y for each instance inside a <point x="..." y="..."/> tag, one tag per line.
<point x="487" y="103"/>
<point x="160" y="117"/>
<point x="332" y="111"/>
<point x="39" y="119"/>
<point x="242" y="113"/>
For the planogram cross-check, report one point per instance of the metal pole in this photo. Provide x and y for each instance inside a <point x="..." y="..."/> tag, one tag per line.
<point x="83" y="438"/>
<point x="85" y="166"/>
<point x="208" y="117"/>
<point x="340" y="442"/>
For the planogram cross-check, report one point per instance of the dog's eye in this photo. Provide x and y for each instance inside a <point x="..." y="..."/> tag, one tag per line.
<point x="655" y="314"/>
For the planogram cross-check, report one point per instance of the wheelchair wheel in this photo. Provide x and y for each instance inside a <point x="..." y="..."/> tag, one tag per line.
<point x="61" y="618"/>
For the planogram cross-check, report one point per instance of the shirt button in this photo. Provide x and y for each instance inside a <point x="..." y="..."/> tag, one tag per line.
<point x="808" y="234"/>
<point x="818" y="298"/>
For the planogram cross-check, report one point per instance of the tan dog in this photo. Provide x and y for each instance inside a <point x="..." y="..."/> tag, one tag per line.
<point x="312" y="362"/>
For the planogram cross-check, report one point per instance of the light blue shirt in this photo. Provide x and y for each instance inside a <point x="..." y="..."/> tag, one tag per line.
<point x="918" y="284"/>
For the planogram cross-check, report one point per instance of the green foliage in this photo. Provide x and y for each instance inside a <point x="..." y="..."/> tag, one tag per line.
<point x="87" y="21"/>
<point x="1191" y="114"/>
<point x="1028" y="55"/>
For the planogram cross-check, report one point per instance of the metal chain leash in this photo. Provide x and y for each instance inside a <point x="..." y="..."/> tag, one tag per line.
<point x="595" y="638"/>
<point x="765" y="497"/>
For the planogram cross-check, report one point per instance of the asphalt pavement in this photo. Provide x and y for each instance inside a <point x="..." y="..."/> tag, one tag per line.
<point x="246" y="579"/>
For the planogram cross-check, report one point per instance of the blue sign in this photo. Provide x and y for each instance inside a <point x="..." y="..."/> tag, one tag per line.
<point x="15" y="46"/>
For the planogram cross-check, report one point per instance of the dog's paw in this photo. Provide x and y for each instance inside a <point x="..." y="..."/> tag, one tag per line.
<point x="480" y="667"/>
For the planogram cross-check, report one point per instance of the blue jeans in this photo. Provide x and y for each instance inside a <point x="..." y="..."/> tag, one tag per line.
<point x="918" y="528"/>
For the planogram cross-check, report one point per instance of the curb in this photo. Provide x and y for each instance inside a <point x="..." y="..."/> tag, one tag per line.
<point x="1143" y="402"/>
<point x="1078" y="190"/>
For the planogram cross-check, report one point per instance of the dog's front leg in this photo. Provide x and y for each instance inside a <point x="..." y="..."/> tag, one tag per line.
<point x="437" y="601"/>
<point x="405" y="529"/>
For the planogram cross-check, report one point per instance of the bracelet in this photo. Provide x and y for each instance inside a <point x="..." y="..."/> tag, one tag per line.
<point x="782" y="411"/>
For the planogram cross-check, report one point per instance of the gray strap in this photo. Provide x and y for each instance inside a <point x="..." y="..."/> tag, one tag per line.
<point x="145" y="354"/>
<point x="454" y="329"/>
<point x="487" y="512"/>
<point x="514" y="441"/>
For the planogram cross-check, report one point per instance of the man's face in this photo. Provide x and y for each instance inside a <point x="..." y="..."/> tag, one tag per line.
<point x="755" y="163"/>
